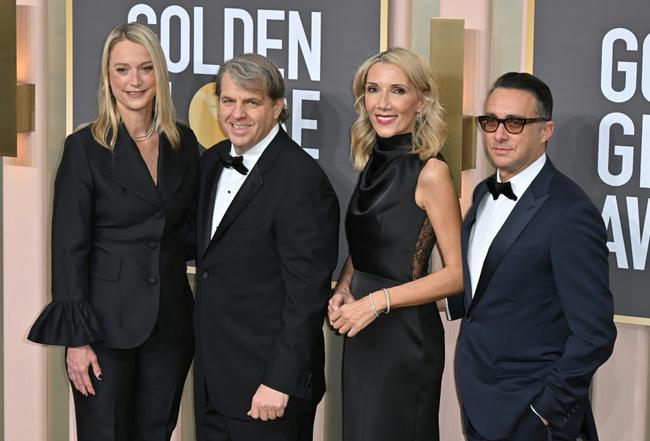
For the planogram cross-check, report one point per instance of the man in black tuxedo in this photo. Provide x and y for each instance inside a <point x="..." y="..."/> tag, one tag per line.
<point x="267" y="245"/>
<point x="538" y="317"/>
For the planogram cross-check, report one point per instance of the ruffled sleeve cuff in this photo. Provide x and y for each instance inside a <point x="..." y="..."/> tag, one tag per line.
<point x="67" y="324"/>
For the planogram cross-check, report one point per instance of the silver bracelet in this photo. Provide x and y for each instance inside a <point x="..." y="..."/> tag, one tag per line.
<point x="372" y="303"/>
<point x="387" y="300"/>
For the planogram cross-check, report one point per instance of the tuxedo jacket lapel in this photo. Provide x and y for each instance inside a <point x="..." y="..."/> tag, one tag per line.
<point x="521" y="215"/>
<point x="208" y="190"/>
<point x="212" y="179"/>
<point x="466" y="231"/>
<point x="171" y="169"/>
<point x="128" y="169"/>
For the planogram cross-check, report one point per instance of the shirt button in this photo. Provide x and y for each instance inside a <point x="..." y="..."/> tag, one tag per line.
<point x="470" y="319"/>
<point x="158" y="215"/>
<point x="152" y="280"/>
<point x="205" y="275"/>
<point x="153" y="245"/>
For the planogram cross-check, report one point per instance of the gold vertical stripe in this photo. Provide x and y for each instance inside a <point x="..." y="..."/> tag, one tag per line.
<point x="8" y="143"/>
<point x="446" y="52"/>
<point x="59" y="94"/>
<point x="25" y="99"/>
<point x="383" y="26"/>
<point x="632" y="320"/>
<point x="530" y="35"/>
<point x="68" y="67"/>
<point x="469" y="132"/>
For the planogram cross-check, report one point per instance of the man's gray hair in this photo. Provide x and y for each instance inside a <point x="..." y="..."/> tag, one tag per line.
<point x="257" y="73"/>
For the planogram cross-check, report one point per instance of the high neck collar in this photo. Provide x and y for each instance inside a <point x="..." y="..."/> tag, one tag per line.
<point x="394" y="143"/>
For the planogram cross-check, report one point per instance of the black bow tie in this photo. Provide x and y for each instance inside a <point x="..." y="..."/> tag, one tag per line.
<point x="497" y="188"/>
<point x="236" y="162"/>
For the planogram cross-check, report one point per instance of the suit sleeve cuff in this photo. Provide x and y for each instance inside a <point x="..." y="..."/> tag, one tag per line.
<point x="449" y="317"/>
<point x="290" y="380"/>
<point x="537" y="413"/>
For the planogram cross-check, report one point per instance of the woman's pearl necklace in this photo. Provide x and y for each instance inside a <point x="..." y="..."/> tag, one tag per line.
<point x="146" y="135"/>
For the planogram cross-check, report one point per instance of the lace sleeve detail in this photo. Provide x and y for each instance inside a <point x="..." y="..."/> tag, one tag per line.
<point x="423" y="247"/>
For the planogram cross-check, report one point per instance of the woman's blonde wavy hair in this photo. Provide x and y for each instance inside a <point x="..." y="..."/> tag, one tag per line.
<point x="429" y="129"/>
<point x="106" y="126"/>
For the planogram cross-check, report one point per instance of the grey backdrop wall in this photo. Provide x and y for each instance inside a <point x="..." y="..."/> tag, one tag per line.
<point x="595" y="56"/>
<point x="317" y="44"/>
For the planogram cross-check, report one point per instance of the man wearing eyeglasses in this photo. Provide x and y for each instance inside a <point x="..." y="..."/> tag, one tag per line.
<point x="538" y="312"/>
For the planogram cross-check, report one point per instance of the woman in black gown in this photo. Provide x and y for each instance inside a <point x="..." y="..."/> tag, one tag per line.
<point x="385" y="300"/>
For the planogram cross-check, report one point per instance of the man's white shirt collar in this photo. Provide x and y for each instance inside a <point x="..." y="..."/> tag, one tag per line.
<point x="253" y="154"/>
<point x="522" y="180"/>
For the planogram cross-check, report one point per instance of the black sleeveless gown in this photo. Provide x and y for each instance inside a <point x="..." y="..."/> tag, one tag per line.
<point x="392" y="369"/>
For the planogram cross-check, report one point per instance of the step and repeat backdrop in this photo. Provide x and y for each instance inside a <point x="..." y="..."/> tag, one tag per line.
<point x="317" y="45"/>
<point x="595" y="56"/>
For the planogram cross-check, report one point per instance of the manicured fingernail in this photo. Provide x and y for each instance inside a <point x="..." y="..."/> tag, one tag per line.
<point x="100" y="377"/>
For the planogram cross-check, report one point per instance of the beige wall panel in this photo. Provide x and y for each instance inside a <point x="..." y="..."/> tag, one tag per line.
<point x="507" y="37"/>
<point x="422" y="11"/>
<point x="24" y="363"/>
<point x="399" y="23"/>
<point x="620" y="388"/>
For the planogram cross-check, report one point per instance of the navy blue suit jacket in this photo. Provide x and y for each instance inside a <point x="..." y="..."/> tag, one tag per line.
<point x="541" y="320"/>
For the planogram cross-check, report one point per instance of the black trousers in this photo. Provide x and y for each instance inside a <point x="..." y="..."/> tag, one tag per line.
<point x="530" y="428"/>
<point x="214" y="426"/>
<point x="139" y="396"/>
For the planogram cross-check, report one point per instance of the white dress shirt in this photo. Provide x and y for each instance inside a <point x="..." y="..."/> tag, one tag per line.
<point x="231" y="180"/>
<point x="491" y="214"/>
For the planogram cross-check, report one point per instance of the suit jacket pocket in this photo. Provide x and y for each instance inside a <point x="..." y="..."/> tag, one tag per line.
<point x="531" y="369"/>
<point x="105" y="266"/>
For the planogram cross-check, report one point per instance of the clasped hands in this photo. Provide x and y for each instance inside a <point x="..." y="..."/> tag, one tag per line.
<point x="348" y="315"/>
<point x="267" y="404"/>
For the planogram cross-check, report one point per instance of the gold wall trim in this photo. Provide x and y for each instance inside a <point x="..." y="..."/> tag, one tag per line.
<point x="632" y="320"/>
<point x="383" y="26"/>
<point x="25" y="114"/>
<point x="468" y="149"/>
<point x="530" y="36"/>
<point x="8" y="143"/>
<point x="59" y="408"/>
<point x="68" y="67"/>
<point x="447" y="48"/>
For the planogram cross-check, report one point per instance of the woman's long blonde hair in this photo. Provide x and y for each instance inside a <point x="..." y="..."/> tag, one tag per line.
<point x="429" y="130"/>
<point x="106" y="126"/>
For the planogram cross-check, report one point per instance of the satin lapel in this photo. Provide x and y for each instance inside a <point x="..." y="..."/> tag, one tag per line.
<point x="521" y="215"/>
<point x="127" y="169"/>
<point x="470" y="219"/>
<point x="208" y="192"/>
<point x="171" y="169"/>
<point x="252" y="184"/>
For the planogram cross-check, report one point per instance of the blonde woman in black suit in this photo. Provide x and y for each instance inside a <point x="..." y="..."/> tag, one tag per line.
<point x="123" y="213"/>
